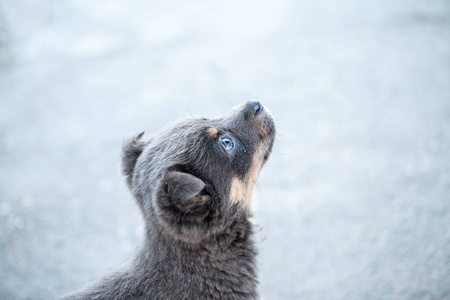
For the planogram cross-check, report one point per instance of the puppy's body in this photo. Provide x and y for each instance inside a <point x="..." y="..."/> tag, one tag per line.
<point x="193" y="183"/>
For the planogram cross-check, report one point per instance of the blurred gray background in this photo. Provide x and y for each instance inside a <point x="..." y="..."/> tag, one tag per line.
<point x="354" y="202"/>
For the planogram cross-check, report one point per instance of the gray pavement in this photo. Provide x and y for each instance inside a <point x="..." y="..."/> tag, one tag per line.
<point x="355" y="200"/>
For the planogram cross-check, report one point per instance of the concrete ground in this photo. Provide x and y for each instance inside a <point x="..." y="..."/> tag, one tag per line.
<point x="354" y="202"/>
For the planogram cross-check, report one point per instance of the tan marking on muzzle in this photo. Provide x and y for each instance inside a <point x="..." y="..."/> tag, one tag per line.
<point x="262" y="126"/>
<point x="242" y="190"/>
<point x="212" y="132"/>
<point x="264" y="131"/>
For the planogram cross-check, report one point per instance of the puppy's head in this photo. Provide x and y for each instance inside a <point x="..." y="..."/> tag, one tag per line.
<point x="198" y="162"/>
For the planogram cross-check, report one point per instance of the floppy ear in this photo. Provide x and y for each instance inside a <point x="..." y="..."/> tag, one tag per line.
<point x="131" y="150"/>
<point x="183" y="205"/>
<point x="183" y="190"/>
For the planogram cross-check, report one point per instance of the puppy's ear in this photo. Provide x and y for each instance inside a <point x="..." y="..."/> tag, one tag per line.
<point x="183" y="190"/>
<point x="131" y="150"/>
<point x="183" y="204"/>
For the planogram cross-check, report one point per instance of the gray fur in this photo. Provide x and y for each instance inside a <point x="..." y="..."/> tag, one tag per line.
<point x="198" y="242"/>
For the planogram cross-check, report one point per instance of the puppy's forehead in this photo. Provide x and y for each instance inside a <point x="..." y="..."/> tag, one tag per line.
<point x="200" y="128"/>
<point x="184" y="128"/>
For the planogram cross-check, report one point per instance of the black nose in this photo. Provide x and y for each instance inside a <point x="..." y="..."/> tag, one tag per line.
<point x="256" y="106"/>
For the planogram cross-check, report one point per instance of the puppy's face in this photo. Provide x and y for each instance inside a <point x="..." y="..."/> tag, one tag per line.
<point x="239" y="144"/>
<point x="198" y="162"/>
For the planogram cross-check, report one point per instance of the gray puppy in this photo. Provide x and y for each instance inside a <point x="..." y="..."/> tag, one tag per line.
<point x="193" y="183"/>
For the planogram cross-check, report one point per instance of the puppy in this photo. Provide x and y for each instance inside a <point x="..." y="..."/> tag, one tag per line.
<point x="194" y="183"/>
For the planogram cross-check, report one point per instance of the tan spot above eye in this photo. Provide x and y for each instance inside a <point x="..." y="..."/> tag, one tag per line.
<point x="212" y="132"/>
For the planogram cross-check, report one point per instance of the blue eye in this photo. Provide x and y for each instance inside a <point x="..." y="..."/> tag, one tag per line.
<point x="227" y="143"/>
